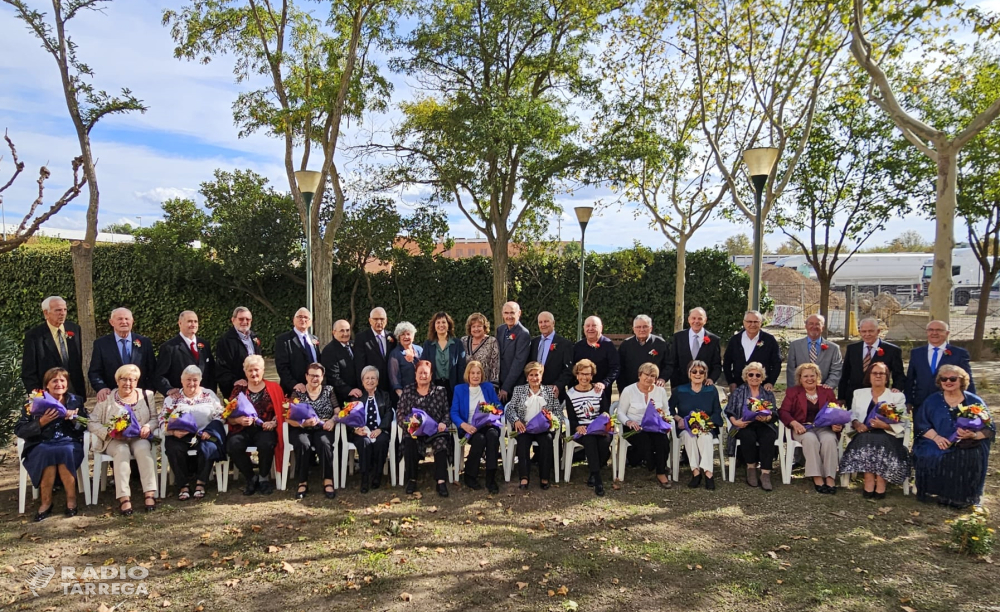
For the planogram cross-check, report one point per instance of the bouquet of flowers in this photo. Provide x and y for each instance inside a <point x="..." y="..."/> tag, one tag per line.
<point x="183" y="421"/>
<point x="351" y="415"/>
<point x="301" y="411"/>
<point x="885" y="412"/>
<point x="830" y="415"/>
<point x="41" y="402"/>
<point x="654" y="420"/>
<point x="421" y="424"/>
<point x="697" y="423"/>
<point x="243" y="408"/>
<point x="125" y="425"/>
<point x="757" y="407"/>
<point x="541" y="423"/>
<point x="485" y="415"/>
<point x="227" y="408"/>
<point x="974" y="417"/>
<point x="602" y="425"/>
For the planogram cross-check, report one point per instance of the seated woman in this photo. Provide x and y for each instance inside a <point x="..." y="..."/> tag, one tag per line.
<point x="53" y="445"/>
<point x="434" y="401"/>
<point x="696" y="396"/>
<point x="480" y="346"/>
<point x="951" y="463"/>
<point x="819" y="445"/>
<point x="482" y="440"/>
<point x="654" y="447"/>
<point x="372" y="440"/>
<point x="206" y="408"/>
<point x="525" y="404"/>
<point x="122" y="450"/>
<point x="267" y="399"/>
<point x="757" y="437"/>
<point x="403" y="359"/>
<point x="445" y="351"/>
<point x="877" y="450"/>
<point x="309" y="435"/>
<point x="584" y="406"/>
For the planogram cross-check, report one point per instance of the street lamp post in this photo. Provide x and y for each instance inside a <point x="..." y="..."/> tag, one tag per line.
<point x="308" y="183"/>
<point x="583" y="214"/>
<point x="759" y="163"/>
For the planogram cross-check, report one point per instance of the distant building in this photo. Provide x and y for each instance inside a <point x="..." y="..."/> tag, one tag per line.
<point x="72" y="234"/>
<point x="461" y="248"/>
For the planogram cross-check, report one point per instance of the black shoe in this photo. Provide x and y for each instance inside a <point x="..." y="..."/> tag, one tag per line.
<point x="524" y="485"/>
<point x="831" y="490"/>
<point x="265" y="487"/>
<point x="251" y="487"/>
<point x="71" y="512"/>
<point x="329" y="491"/>
<point x="491" y="486"/>
<point x="821" y="489"/>
<point x="376" y="482"/>
<point x="598" y="486"/>
<point x="121" y="508"/>
<point x="442" y="489"/>
<point x="879" y="495"/>
<point x="41" y="515"/>
<point x="473" y="484"/>
<point x="411" y="487"/>
<point x="710" y="483"/>
<point x="364" y="485"/>
<point x="695" y="482"/>
<point x="302" y="491"/>
<point x="590" y="481"/>
<point x="545" y="486"/>
<point x="868" y="494"/>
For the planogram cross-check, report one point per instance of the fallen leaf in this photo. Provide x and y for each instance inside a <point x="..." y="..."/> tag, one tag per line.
<point x="255" y="528"/>
<point x="566" y="522"/>
<point x="232" y="582"/>
<point x="406" y="596"/>
<point x="165" y="604"/>
<point x="286" y="566"/>
<point x="395" y="500"/>
<point x="772" y="554"/>
<point x="884" y="510"/>
<point x="164" y="554"/>
<point x="102" y="608"/>
<point x="563" y="590"/>
<point x="525" y="568"/>
<point x="432" y="509"/>
<point x="907" y="609"/>
<point x="273" y="549"/>
<point x="521" y="585"/>
<point x="552" y="593"/>
<point x="417" y="495"/>
<point x="483" y="563"/>
<point x="784" y="547"/>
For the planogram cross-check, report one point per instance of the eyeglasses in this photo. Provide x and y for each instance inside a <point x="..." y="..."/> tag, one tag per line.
<point x="949" y="379"/>
<point x="755" y="375"/>
<point x="879" y="374"/>
<point x="693" y="372"/>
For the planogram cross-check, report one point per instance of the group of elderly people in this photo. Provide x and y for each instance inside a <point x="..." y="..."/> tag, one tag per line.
<point x="451" y="379"/>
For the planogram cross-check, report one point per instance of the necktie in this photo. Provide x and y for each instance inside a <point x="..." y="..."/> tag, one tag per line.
<point x="63" y="351"/>
<point x="308" y="346"/>
<point x="381" y="344"/>
<point x="812" y="352"/>
<point x="694" y="346"/>
<point x="867" y="362"/>
<point x="349" y="351"/>
<point x="934" y="361"/>
<point x="194" y="351"/>
<point x="125" y="352"/>
<point x="541" y="350"/>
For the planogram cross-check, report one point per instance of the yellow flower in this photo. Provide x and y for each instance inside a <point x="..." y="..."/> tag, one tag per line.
<point x="975" y="538"/>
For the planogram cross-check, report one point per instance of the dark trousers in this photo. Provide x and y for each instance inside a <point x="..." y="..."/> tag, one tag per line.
<point x="486" y="439"/>
<point x="544" y="452"/>
<point x="653" y="447"/>
<point x="371" y="453"/>
<point x="304" y="443"/>
<point x="411" y="452"/>
<point x="181" y="463"/>
<point x="597" y="449"/>
<point x="265" y="441"/>
<point x="757" y="445"/>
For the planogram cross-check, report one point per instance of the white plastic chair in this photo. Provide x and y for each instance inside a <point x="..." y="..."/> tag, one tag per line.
<point x="720" y="443"/>
<point x="791" y="444"/>
<point x="845" y="477"/>
<point x="82" y="476"/>
<point x="511" y="441"/>
<point x="780" y="452"/>
<point x="620" y="446"/>
<point x="570" y="445"/>
<point x="459" y="464"/>
<point x="397" y="462"/>
<point x="226" y="467"/>
<point x="100" y="478"/>
<point x="342" y="456"/>
<point x="167" y="477"/>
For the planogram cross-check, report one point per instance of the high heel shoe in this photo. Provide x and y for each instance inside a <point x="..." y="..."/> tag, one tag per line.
<point x="123" y="510"/>
<point x="302" y="491"/>
<point x="41" y="515"/>
<point x="71" y="512"/>
<point x="147" y="506"/>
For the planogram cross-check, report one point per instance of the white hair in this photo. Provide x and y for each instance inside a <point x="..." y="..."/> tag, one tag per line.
<point x="756" y="313"/>
<point x="821" y="318"/>
<point x="377" y="309"/>
<point x="112" y="315"/>
<point x="945" y="323"/>
<point x="48" y="302"/>
<point x="369" y="370"/>
<point x="698" y="309"/>
<point x="239" y="310"/>
<point x="404" y="327"/>
<point x="871" y="320"/>
<point x="191" y="370"/>
<point x="643" y="319"/>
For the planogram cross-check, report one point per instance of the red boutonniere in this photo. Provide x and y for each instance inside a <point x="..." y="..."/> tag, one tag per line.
<point x="137" y="344"/>
<point x="552" y="347"/>
<point x="315" y="341"/>
<point x="760" y="344"/>
<point x="823" y="346"/>
<point x="256" y="341"/>
<point x="70" y="335"/>
<point x="512" y="336"/>
<point x="653" y="352"/>
<point x="880" y="352"/>
<point x="707" y="340"/>
<point x="947" y="352"/>
<point x="201" y="345"/>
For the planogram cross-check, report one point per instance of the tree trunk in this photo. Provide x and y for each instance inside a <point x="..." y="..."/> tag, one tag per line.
<point x="500" y="259"/>
<point x="944" y="236"/>
<point x="82" y="255"/>
<point x="824" y="295"/>
<point x="680" y="282"/>
<point x="322" y="291"/>
<point x="976" y="349"/>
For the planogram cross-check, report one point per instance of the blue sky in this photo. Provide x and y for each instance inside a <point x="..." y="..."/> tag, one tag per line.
<point x="188" y="132"/>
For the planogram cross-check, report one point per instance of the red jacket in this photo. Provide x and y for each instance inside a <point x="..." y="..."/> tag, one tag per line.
<point x="278" y="401"/>
<point x="793" y="408"/>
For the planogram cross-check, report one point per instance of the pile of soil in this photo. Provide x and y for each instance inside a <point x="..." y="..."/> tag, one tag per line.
<point x="787" y="286"/>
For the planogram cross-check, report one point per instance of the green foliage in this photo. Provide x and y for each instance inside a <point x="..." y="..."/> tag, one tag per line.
<point x="12" y="395"/>
<point x="120" y="228"/>
<point x="971" y="535"/>
<point x="740" y="244"/>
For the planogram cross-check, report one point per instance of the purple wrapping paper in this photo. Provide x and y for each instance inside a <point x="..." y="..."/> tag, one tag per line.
<point x="40" y="405"/>
<point x="133" y="429"/>
<point x="428" y="426"/>
<point x="828" y="417"/>
<point x="244" y="408"/>
<point x="303" y="411"/>
<point x="974" y="424"/>
<point x="539" y="424"/>
<point x="652" y="422"/>
<point x="599" y="426"/>
<point x="354" y="418"/>
<point x="184" y="422"/>
<point x="480" y="419"/>
<point x="750" y="415"/>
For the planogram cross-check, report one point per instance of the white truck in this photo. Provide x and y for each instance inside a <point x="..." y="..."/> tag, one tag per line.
<point x="896" y="273"/>
<point x="966" y="275"/>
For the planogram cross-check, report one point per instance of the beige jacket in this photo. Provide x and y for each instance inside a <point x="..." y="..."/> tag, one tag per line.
<point x="103" y="412"/>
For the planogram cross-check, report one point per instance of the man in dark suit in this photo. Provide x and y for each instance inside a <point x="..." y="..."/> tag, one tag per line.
<point x="925" y="361"/>
<point x="858" y="359"/>
<point x="514" y="341"/>
<point x="118" y="348"/>
<point x="234" y="346"/>
<point x="53" y="344"/>
<point x="294" y="351"/>
<point x="338" y="359"/>
<point x="696" y="342"/>
<point x="750" y="345"/>
<point x="554" y="352"/>
<point x="598" y="348"/>
<point x="181" y="351"/>
<point x="371" y="348"/>
<point x="643" y="347"/>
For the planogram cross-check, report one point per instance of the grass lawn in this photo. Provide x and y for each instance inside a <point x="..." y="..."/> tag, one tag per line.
<point x="638" y="548"/>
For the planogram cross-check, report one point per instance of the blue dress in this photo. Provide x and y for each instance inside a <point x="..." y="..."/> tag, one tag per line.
<point x="58" y="443"/>
<point x="955" y="476"/>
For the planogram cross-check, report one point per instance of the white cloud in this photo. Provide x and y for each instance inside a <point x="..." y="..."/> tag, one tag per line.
<point x="158" y="195"/>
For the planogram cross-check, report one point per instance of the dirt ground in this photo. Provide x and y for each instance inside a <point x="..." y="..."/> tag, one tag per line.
<point x="638" y="548"/>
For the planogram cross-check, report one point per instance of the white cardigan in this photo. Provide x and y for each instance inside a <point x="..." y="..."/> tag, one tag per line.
<point x="632" y="404"/>
<point x="863" y="397"/>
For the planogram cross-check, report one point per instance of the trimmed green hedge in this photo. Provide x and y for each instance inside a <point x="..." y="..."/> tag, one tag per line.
<point x="156" y="284"/>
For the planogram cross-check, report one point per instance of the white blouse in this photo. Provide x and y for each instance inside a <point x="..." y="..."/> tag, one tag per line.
<point x="533" y="405"/>
<point x="475" y="398"/>
<point x="632" y="403"/>
<point x="862" y="399"/>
